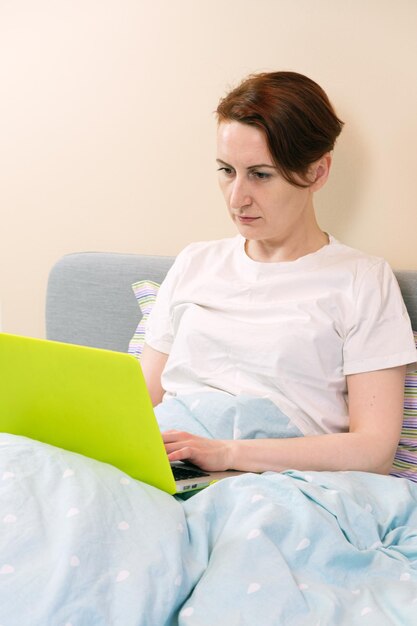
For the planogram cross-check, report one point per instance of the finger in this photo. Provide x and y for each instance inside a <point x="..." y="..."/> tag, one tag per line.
<point x="175" y="445"/>
<point x="175" y="435"/>
<point x="182" y="454"/>
<point x="171" y="435"/>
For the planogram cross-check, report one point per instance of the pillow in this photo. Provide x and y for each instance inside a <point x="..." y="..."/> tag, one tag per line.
<point x="145" y="292"/>
<point x="405" y="462"/>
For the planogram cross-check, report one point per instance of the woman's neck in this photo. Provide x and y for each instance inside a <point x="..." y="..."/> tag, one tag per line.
<point x="273" y="251"/>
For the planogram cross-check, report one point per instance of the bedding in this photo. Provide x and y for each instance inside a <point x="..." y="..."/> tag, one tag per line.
<point x="82" y="544"/>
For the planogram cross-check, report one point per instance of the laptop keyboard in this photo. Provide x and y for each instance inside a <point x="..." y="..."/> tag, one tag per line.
<point x="183" y="473"/>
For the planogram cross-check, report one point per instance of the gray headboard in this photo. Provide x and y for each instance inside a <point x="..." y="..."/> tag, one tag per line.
<point x="90" y="299"/>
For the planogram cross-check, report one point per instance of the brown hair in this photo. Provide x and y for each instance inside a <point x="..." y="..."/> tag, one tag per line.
<point x="294" y="113"/>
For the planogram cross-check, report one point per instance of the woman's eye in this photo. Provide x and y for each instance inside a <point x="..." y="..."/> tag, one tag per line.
<point x="261" y="175"/>
<point x="226" y="170"/>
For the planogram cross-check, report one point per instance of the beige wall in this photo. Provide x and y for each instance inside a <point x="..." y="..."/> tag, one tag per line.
<point x="107" y="132"/>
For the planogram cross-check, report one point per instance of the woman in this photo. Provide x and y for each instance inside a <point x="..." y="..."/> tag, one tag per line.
<point x="282" y="311"/>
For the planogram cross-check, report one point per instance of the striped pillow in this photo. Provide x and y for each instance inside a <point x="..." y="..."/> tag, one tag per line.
<point x="405" y="462"/>
<point x="145" y="292"/>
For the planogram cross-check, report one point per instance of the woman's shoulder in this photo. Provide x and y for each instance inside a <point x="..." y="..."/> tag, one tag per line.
<point x="203" y="257"/>
<point x="349" y="255"/>
<point x="366" y="270"/>
<point x="207" y="249"/>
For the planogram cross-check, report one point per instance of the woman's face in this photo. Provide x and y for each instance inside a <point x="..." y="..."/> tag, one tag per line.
<point x="261" y="203"/>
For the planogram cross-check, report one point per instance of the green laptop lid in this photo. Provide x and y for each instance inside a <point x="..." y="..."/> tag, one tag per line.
<point x="87" y="400"/>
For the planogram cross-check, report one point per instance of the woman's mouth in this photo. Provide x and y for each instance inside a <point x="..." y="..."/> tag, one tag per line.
<point x="244" y="219"/>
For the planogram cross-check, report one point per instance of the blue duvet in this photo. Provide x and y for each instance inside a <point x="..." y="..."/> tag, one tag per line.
<point x="82" y="544"/>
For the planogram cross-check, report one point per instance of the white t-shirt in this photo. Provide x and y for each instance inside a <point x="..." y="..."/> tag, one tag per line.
<point x="288" y="331"/>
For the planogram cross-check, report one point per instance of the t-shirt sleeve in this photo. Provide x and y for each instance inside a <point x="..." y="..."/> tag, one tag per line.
<point x="159" y="332"/>
<point x="380" y="335"/>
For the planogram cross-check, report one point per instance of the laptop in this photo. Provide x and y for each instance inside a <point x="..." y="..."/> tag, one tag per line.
<point x="93" y="402"/>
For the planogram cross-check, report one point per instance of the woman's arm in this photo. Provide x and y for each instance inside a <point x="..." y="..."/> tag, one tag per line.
<point x="153" y="363"/>
<point x="375" y="413"/>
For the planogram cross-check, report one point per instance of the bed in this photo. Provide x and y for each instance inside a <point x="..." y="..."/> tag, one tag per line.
<point x="82" y="544"/>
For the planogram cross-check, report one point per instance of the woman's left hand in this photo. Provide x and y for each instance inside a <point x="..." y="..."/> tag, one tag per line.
<point x="212" y="455"/>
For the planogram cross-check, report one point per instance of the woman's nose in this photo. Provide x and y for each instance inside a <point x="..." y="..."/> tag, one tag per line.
<point x="239" y="195"/>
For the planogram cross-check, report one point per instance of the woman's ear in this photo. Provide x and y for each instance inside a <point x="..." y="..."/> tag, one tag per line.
<point x="319" y="171"/>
